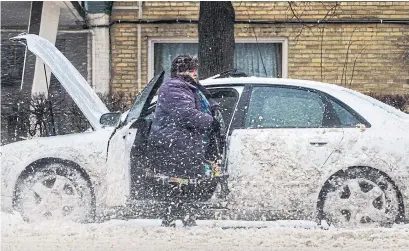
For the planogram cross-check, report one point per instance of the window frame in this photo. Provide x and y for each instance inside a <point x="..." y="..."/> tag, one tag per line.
<point x="325" y="97"/>
<point x="154" y="40"/>
<point x="348" y="109"/>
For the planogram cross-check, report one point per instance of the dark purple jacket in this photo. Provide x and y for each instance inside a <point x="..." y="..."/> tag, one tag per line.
<point x="178" y="128"/>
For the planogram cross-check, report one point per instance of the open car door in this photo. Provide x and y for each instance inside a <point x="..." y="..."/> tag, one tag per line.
<point x="132" y="132"/>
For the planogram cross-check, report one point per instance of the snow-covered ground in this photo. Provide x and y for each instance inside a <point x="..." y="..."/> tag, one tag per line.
<point x="208" y="235"/>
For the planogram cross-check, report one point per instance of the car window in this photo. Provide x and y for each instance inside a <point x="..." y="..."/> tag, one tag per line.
<point x="143" y="96"/>
<point x="280" y="107"/>
<point x="346" y="118"/>
<point x="227" y="99"/>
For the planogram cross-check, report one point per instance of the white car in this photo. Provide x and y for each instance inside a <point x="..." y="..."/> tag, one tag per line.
<point x="295" y="149"/>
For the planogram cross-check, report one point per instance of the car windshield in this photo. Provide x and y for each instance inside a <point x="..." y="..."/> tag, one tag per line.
<point x="140" y="99"/>
<point x="385" y="107"/>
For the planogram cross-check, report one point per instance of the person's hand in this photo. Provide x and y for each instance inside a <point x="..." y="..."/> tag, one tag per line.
<point x="215" y="125"/>
<point x="214" y="109"/>
<point x="217" y="170"/>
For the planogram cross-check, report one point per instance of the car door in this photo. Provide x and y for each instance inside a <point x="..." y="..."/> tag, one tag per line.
<point x="226" y="97"/>
<point x="130" y="133"/>
<point x="276" y="156"/>
<point x="353" y="150"/>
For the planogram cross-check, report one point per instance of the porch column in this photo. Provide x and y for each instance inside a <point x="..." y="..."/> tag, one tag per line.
<point x="100" y="56"/>
<point x="48" y="26"/>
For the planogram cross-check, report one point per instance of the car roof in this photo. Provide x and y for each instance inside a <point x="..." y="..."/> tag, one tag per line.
<point x="344" y="94"/>
<point x="272" y="81"/>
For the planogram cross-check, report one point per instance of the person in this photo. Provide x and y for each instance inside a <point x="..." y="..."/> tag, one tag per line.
<point x="179" y="139"/>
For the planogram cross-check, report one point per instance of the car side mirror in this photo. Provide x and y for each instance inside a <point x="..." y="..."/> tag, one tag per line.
<point x="110" y="119"/>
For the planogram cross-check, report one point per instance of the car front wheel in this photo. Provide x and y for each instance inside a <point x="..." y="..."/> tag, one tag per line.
<point x="54" y="191"/>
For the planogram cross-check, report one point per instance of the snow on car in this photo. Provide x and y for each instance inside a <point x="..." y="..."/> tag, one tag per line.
<point x="295" y="149"/>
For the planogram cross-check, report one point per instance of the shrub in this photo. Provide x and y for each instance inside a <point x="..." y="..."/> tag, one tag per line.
<point x="400" y="102"/>
<point x="57" y="115"/>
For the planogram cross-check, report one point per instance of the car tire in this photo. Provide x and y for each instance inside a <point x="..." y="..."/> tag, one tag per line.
<point x="54" y="192"/>
<point x="360" y="197"/>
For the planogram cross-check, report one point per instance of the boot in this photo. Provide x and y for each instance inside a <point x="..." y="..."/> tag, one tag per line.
<point x="169" y="217"/>
<point x="168" y="223"/>
<point x="189" y="221"/>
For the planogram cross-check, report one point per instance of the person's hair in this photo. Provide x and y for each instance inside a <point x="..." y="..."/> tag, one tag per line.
<point x="183" y="63"/>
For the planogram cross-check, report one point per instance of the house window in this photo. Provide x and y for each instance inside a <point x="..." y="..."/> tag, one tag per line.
<point x="164" y="53"/>
<point x="266" y="57"/>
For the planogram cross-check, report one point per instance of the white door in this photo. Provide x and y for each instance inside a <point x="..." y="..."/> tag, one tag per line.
<point x="276" y="160"/>
<point x="118" y="175"/>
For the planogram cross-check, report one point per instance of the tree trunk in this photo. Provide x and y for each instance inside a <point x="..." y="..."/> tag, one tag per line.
<point x="216" y="38"/>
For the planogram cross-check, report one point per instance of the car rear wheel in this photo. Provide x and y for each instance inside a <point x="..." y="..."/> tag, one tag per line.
<point x="54" y="192"/>
<point x="360" y="197"/>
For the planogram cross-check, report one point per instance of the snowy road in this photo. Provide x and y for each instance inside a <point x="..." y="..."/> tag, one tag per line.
<point x="209" y="235"/>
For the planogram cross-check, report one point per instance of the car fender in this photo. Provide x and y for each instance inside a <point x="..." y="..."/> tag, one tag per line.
<point x="87" y="150"/>
<point x="118" y="174"/>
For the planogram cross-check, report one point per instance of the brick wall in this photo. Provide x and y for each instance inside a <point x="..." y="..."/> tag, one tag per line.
<point x="124" y="61"/>
<point x="124" y="49"/>
<point x="267" y="10"/>
<point x="365" y="57"/>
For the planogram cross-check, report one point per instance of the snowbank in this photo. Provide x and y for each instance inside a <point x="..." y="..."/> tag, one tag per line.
<point x="209" y="235"/>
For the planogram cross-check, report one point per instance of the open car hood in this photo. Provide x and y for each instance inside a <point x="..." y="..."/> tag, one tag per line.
<point x="73" y="82"/>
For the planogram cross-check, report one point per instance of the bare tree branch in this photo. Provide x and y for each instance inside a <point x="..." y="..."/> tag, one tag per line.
<point x="321" y="46"/>
<point x="297" y="17"/>
<point x="345" y="68"/>
<point x="330" y="14"/>
<point x="353" y="66"/>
